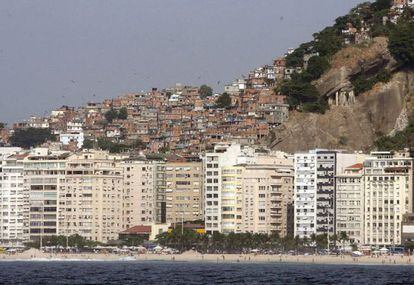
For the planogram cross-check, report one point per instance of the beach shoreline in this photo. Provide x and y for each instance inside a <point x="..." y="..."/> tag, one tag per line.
<point x="36" y="255"/>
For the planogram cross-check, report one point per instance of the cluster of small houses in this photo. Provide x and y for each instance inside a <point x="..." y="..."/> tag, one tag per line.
<point x="179" y="120"/>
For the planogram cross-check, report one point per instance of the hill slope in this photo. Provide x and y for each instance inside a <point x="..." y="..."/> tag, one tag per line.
<point x="383" y="110"/>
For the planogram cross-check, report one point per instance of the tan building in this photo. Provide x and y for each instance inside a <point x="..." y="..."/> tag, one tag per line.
<point x="268" y="195"/>
<point x="139" y="192"/>
<point x="184" y="191"/>
<point x="350" y="203"/>
<point x="91" y="203"/>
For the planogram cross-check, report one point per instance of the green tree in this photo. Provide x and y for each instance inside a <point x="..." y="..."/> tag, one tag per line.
<point x="2" y="125"/>
<point x="322" y="241"/>
<point x="382" y="5"/>
<point x="223" y="101"/>
<point x="300" y="92"/>
<point x="88" y="144"/>
<point x="317" y="65"/>
<point x="295" y="59"/>
<point x="123" y="113"/>
<point x="205" y="91"/>
<point x="399" y="140"/>
<point x="134" y="241"/>
<point x="343" y="237"/>
<point x="363" y="82"/>
<point x="329" y="42"/>
<point x="30" y="137"/>
<point x="111" y="115"/>
<point x="178" y="238"/>
<point x="401" y="43"/>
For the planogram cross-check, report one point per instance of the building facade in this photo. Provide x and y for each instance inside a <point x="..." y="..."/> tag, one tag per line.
<point x="44" y="178"/>
<point x="14" y="209"/>
<point x="91" y="201"/>
<point x="388" y="191"/>
<point x="184" y="191"/>
<point x="350" y="203"/>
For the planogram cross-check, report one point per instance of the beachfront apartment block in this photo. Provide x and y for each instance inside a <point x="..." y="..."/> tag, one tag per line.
<point x="388" y="195"/>
<point x="44" y="178"/>
<point x="139" y="197"/>
<point x="91" y="201"/>
<point x="223" y="155"/>
<point x="13" y="199"/>
<point x="315" y="189"/>
<point x="267" y="193"/>
<point x="231" y="193"/>
<point x="184" y="191"/>
<point x="350" y="202"/>
<point x="248" y="190"/>
<point x="305" y="194"/>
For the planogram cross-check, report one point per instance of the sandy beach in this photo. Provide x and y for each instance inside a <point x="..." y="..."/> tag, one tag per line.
<point x="36" y="255"/>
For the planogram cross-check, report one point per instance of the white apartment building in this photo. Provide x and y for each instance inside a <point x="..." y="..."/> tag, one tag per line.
<point x="388" y="191"/>
<point x="13" y="199"/>
<point x="223" y="155"/>
<point x="248" y="191"/>
<point x="315" y="190"/>
<point x="305" y="194"/>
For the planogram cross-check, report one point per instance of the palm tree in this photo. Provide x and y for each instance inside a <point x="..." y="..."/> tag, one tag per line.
<point x="343" y="236"/>
<point x="313" y="239"/>
<point x="334" y="239"/>
<point x="305" y="241"/>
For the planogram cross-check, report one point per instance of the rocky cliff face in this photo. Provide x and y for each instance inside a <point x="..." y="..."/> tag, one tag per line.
<point x="352" y="61"/>
<point x="382" y="110"/>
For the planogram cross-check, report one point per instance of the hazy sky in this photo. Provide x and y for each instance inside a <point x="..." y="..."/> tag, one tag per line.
<point x="55" y="53"/>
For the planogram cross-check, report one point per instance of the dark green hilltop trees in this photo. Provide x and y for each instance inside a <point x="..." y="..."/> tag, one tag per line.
<point x="223" y="101"/>
<point x="30" y="137"/>
<point x="401" y="43"/>
<point x="205" y="91"/>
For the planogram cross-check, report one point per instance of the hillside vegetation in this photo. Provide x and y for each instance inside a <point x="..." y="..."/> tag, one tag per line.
<point x="378" y="71"/>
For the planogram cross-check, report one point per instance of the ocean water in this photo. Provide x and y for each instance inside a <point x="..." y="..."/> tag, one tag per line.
<point x="148" y="272"/>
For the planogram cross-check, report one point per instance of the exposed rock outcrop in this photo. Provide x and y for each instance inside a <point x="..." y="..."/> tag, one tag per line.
<point x="353" y="60"/>
<point x="377" y="112"/>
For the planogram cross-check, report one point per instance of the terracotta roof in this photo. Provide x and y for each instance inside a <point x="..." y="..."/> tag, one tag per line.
<point x="138" y="230"/>
<point x="356" y="166"/>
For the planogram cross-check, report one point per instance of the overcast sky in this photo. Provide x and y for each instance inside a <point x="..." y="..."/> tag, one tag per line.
<point x="55" y="53"/>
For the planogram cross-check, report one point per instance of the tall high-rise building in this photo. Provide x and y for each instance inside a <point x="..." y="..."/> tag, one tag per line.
<point x="388" y="191"/>
<point x="91" y="201"/>
<point x="315" y="190"/>
<point x="160" y="199"/>
<point x="231" y="193"/>
<point x="267" y="189"/>
<point x="44" y="178"/>
<point x="350" y="202"/>
<point x="14" y="209"/>
<point x="248" y="190"/>
<point x="139" y="192"/>
<point x="223" y="155"/>
<point x="184" y="190"/>
<point x="305" y="194"/>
